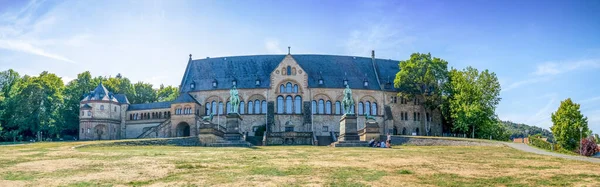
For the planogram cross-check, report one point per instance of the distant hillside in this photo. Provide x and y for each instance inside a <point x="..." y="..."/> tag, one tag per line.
<point x="518" y="130"/>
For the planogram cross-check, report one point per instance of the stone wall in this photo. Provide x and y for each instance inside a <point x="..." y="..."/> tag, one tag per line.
<point x="425" y="141"/>
<point x="188" y="141"/>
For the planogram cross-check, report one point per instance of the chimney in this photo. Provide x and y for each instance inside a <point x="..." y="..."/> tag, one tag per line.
<point x="373" y="54"/>
<point x="375" y="68"/>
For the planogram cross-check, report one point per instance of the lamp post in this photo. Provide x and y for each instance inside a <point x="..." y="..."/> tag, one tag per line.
<point x="580" y="137"/>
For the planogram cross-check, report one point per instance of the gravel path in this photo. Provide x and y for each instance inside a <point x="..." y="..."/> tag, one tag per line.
<point x="527" y="148"/>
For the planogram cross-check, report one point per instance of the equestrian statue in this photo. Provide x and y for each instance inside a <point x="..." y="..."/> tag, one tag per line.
<point x="348" y="102"/>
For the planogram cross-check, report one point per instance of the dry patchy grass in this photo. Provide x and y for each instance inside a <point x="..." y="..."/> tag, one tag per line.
<point x="60" y="164"/>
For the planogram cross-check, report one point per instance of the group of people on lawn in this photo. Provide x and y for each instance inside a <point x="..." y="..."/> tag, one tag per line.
<point x="382" y="144"/>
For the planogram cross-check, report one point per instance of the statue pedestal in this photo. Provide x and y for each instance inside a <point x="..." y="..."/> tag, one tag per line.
<point x="371" y="130"/>
<point x="232" y="127"/>
<point x="349" y="133"/>
<point x="348" y="128"/>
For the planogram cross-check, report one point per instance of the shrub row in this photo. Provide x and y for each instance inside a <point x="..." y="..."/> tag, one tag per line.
<point x="540" y="143"/>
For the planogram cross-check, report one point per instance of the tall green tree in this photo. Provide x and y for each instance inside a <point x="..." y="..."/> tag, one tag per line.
<point x="34" y="105"/>
<point x="168" y="93"/>
<point x="8" y="79"/>
<point x="120" y="85"/>
<point x="566" y="124"/>
<point x="144" y="93"/>
<point x="73" y="94"/>
<point x="422" y="76"/>
<point x="473" y="99"/>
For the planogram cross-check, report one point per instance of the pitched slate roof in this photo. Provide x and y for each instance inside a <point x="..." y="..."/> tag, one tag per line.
<point x="244" y="69"/>
<point x="122" y="98"/>
<point x="334" y="69"/>
<point x="247" y="69"/>
<point x="387" y="70"/>
<point x="100" y="93"/>
<point x="148" y="106"/>
<point x="86" y="106"/>
<point x="185" y="98"/>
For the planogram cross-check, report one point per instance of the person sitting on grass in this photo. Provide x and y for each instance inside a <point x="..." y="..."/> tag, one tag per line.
<point x="382" y="144"/>
<point x="388" y="144"/>
<point x="371" y="142"/>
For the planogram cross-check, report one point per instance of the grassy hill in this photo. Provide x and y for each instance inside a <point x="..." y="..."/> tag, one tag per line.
<point x="518" y="130"/>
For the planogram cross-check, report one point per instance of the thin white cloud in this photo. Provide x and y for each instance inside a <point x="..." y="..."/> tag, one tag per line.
<point x="590" y="100"/>
<point x="22" y="46"/>
<point x="542" y="116"/>
<point x="553" y="68"/>
<point x="525" y="82"/>
<point x="544" y="72"/>
<point x="381" y="36"/>
<point x="272" y="46"/>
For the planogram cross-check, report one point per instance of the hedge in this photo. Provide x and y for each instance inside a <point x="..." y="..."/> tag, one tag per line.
<point x="540" y="143"/>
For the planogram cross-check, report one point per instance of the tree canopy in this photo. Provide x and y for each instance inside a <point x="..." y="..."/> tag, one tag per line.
<point x="168" y="93"/>
<point x="473" y="99"/>
<point x="566" y="124"/>
<point x="422" y="75"/>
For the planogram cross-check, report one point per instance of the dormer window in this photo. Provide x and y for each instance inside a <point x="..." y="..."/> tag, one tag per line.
<point x="193" y="85"/>
<point x="214" y="83"/>
<point x="345" y="82"/>
<point x="234" y="83"/>
<point x="366" y="83"/>
<point x="320" y="81"/>
<point x="257" y="83"/>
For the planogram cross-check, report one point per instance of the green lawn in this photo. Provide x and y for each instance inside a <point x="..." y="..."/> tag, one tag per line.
<point x="60" y="164"/>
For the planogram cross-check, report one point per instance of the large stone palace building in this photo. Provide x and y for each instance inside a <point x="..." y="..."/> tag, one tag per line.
<point x="289" y="93"/>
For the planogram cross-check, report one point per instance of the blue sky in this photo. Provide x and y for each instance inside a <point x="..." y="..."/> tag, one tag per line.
<point x="542" y="51"/>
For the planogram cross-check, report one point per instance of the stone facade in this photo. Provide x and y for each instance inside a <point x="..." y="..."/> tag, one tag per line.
<point x="288" y="104"/>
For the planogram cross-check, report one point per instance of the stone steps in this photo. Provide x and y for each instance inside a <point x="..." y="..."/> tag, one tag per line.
<point x="216" y="141"/>
<point x="350" y="144"/>
<point x="229" y="144"/>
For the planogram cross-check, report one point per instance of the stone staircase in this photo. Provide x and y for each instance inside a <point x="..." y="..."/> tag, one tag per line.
<point x="211" y="140"/>
<point x="354" y="143"/>
<point x="211" y="136"/>
<point x="149" y="132"/>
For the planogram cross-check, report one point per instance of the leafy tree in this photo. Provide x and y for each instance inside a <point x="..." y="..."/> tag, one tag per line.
<point x="8" y="79"/>
<point x="12" y="135"/>
<point x="168" y="93"/>
<point x="144" y="93"/>
<point x="120" y="85"/>
<point x="34" y="105"/>
<point x="423" y="76"/>
<point x="497" y="131"/>
<point x="566" y="122"/>
<point x="473" y="99"/>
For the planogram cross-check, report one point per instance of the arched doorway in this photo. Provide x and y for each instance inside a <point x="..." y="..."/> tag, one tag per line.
<point x="403" y="130"/>
<point x="183" y="129"/>
<point x="395" y="131"/>
<point x="417" y="131"/>
<point x="101" y="132"/>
